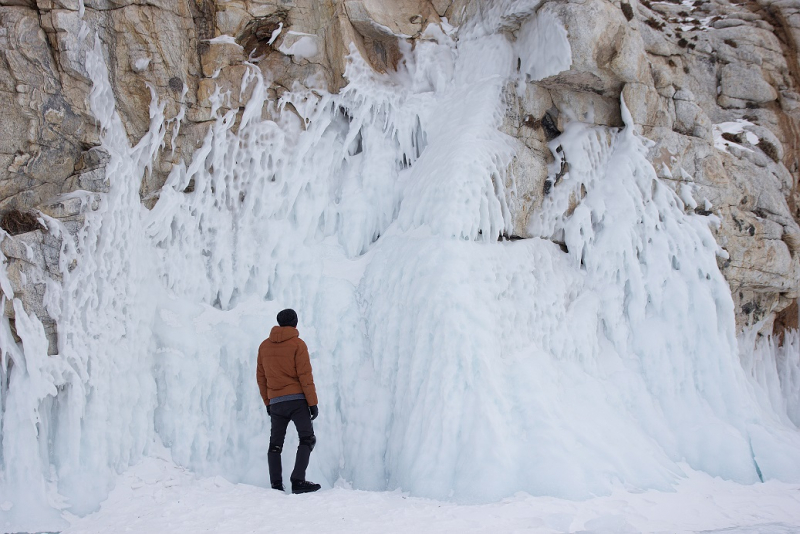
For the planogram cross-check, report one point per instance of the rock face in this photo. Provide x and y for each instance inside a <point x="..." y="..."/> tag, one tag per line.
<point x="682" y="69"/>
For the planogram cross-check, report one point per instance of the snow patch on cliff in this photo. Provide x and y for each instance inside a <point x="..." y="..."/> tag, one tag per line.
<point x="542" y="47"/>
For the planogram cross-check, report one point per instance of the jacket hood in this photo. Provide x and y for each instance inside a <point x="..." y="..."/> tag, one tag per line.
<point x="279" y="334"/>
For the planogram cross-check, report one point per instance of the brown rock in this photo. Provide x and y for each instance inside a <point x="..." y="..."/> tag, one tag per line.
<point x="667" y="74"/>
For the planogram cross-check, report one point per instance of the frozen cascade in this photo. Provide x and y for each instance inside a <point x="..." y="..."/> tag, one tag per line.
<point x="448" y="364"/>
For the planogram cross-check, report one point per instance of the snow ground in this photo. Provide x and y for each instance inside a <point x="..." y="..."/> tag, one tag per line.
<point x="157" y="496"/>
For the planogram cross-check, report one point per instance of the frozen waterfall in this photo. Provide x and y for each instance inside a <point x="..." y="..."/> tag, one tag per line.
<point x="448" y="363"/>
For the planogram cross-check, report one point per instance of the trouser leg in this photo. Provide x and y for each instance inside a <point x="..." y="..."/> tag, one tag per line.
<point x="276" y="437"/>
<point x="305" y="431"/>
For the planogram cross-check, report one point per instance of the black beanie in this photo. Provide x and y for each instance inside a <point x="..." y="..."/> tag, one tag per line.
<point x="287" y="317"/>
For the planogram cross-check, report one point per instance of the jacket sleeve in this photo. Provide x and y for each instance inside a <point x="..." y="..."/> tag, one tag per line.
<point x="303" y="367"/>
<point x="261" y="377"/>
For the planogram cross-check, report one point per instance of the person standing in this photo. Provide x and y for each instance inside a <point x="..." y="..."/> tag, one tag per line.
<point x="287" y="387"/>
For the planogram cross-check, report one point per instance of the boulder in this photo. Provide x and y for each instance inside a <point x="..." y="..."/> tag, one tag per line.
<point x="745" y="82"/>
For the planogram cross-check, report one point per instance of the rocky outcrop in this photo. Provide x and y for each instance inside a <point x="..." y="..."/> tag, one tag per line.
<point x="682" y="70"/>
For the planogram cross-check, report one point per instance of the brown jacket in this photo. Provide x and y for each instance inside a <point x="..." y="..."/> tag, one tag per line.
<point x="283" y="366"/>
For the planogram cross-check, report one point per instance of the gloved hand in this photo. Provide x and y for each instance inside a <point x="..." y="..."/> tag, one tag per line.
<point x="268" y="412"/>
<point x="314" y="411"/>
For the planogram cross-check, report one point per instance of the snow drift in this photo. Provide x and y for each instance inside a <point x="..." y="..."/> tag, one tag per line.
<point x="448" y="363"/>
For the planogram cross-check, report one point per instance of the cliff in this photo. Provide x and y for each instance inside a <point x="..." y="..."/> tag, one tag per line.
<point x="682" y="68"/>
<point x="576" y="220"/>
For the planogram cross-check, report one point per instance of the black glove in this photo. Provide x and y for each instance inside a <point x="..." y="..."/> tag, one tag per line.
<point x="268" y="412"/>
<point x="314" y="411"/>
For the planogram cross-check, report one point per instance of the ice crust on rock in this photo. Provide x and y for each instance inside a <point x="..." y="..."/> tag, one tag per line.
<point x="542" y="47"/>
<point x="447" y="363"/>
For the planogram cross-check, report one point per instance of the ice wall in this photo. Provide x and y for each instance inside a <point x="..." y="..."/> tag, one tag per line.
<point x="448" y="364"/>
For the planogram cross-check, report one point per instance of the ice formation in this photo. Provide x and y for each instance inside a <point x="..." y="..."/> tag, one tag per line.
<point x="448" y="364"/>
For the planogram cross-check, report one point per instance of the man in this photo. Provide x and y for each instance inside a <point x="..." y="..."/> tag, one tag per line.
<point x="284" y="377"/>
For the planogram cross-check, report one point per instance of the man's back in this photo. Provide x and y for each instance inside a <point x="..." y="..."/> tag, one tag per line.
<point x="284" y="367"/>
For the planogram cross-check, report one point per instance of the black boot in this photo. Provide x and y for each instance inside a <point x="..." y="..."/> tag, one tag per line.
<point x="304" y="486"/>
<point x="278" y="486"/>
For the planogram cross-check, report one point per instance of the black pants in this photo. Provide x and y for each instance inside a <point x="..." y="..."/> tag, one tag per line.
<point x="281" y="413"/>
